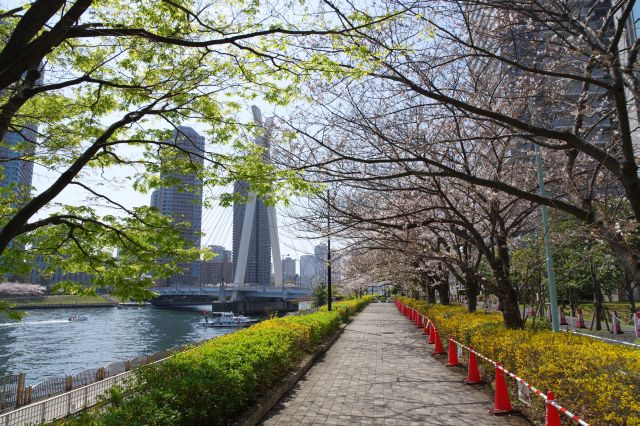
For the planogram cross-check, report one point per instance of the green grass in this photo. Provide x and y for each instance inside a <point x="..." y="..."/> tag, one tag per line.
<point x="63" y="299"/>
<point x="622" y="308"/>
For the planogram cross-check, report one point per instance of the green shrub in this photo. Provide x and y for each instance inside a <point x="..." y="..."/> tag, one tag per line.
<point x="593" y="379"/>
<point x="212" y="383"/>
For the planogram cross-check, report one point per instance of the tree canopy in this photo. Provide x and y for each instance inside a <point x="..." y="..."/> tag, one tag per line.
<point x="96" y="89"/>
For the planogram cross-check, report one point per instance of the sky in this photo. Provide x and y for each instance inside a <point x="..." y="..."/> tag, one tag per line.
<point x="216" y="222"/>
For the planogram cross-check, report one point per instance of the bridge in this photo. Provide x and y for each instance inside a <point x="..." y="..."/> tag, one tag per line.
<point x="236" y="291"/>
<point x="249" y="299"/>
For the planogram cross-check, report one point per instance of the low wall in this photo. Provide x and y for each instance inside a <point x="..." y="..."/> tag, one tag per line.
<point x="255" y="307"/>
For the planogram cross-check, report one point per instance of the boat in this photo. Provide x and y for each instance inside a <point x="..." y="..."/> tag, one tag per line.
<point x="226" y="319"/>
<point x="78" y="318"/>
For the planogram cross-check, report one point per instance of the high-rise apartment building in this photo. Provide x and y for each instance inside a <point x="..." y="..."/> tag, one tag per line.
<point x="219" y="269"/>
<point x="289" y="270"/>
<point x="16" y="171"/>
<point x="183" y="202"/>
<point x="307" y="270"/>
<point x="258" y="270"/>
<point x="320" y="264"/>
<point x="255" y="234"/>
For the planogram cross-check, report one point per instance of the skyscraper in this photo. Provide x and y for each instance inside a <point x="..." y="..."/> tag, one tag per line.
<point x="307" y="270"/>
<point x="219" y="269"/>
<point x="289" y="270"/>
<point x="17" y="172"/>
<point x="320" y="253"/>
<point x="183" y="202"/>
<point x="258" y="270"/>
<point x="253" y="234"/>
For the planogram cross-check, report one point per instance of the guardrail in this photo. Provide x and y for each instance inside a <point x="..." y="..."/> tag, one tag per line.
<point x="65" y="404"/>
<point x="593" y="336"/>
<point x="422" y="320"/>
<point x="14" y="393"/>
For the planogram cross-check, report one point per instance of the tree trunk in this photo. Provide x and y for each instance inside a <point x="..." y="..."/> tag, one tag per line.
<point x="628" y="258"/>
<point x="598" y="298"/>
<point x="629" y="287"/>
<point x="431" y="295"/>
<point x="508" y="297"/>
<point x="443" y="292"/>
<point x="472" y="294"/>
<point x="511" y="312"/>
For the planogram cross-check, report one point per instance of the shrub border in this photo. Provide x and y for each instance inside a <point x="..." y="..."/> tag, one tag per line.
<point x="254" y="414"/>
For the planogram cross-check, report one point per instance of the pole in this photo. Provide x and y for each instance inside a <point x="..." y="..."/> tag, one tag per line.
<point x="553" y="297"/>
<point x="328" y="254"/>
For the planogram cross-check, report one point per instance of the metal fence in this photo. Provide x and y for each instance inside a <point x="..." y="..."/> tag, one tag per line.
<point x="65" y="404"/>
<point x="8" y="391"/>
<point x="22" y="405"/>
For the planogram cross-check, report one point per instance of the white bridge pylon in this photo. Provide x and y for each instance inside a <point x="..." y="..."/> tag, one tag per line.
<point x="249" y="214"/>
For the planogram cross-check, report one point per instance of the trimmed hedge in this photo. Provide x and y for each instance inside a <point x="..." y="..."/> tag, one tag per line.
<point x="214" y="382"/>
<point x="593" y="379"/>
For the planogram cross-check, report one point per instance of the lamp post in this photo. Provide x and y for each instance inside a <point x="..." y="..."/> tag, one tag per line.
<point x="551" y="280"/>
<point x="328" y="252"/>
<point x="553" y="297"/>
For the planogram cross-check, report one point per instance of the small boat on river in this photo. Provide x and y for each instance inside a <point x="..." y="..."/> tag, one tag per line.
<point x="78" y="318"/>
<point x="226" y="319"/>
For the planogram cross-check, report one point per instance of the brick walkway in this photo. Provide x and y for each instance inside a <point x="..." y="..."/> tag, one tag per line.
<point x="380" y="372"/>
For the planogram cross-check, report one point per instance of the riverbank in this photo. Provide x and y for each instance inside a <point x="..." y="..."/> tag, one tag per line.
<point x="46" y="345"/>
<point x="62" y="301"/>
<point x="241" y="367"/>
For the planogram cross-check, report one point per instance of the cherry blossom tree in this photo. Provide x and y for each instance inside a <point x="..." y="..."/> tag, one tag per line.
<point x="452" y="78"/>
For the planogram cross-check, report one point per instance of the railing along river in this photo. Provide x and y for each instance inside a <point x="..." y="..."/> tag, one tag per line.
<point x="61" y="396"/>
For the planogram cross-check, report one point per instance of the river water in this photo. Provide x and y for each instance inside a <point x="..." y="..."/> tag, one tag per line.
<point x="46" y="344"/>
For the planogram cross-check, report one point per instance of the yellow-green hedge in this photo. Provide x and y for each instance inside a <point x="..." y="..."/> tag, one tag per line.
<point x="594" y="379"/>
<point x="215" y="381"/>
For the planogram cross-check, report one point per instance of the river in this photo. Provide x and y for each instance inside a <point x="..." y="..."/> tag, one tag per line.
<point x="46" y="344"/>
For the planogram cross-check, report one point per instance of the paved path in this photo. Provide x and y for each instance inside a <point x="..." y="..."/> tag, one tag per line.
<point x="380" y="371"/>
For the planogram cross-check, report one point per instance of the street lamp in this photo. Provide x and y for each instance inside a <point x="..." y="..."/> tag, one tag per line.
<point x="328" y="252"/>
<point x="551" y="280"/>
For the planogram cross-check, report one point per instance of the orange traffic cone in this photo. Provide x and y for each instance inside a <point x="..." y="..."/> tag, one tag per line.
<point x="563" y="319"/>
<point x="432" y="335"/>
<point x="452" y="361"/>
<point x="438" y="349"/>
<point x="580" y="321"/>
<point x="552" y="416"/>
<point x="615" y="324"/>
<point x="502" y="405"/>
<point x="419" y="322"/>
<point x="473" y="375"/>
<point x="425" y="330"/>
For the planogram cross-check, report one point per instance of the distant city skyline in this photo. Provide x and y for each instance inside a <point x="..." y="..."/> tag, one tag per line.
<point x="216" y="220"/>
<point x="183" y="202"/>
